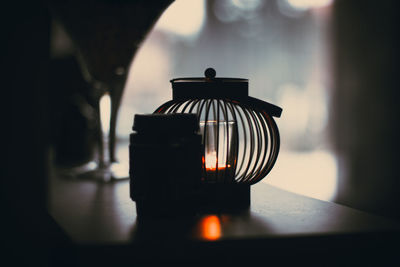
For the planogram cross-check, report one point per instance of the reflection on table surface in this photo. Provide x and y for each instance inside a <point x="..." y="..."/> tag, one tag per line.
<point x="280" y="227"/>
<point x="104" y="213"/>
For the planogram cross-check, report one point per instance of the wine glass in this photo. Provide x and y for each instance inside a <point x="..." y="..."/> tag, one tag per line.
<point x="107" y="34"/>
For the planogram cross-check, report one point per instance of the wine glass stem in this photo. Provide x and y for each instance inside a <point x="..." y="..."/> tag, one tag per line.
<point x="104" y="110"/>
<point x="112" y="131"/>
<point x="115" y="102"/>
<point x="108" y="112"/>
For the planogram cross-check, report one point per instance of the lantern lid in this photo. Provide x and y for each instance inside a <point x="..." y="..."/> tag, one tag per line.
<point x="209" y="87"/>
<point x="219" y="88"/>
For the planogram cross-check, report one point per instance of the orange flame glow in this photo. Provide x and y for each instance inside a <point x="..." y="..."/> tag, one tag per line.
<point x="211" y="160"/>
<point x="210" y="227"/>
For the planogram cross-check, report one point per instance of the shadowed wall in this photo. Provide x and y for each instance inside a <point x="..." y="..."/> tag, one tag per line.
<point x="366" y="105"/>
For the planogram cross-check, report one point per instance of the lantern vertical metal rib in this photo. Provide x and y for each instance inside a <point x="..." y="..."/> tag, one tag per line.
<point x="254" y="137"/>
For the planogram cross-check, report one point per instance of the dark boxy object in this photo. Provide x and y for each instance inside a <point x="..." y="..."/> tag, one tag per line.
<point x="165" y="164"/>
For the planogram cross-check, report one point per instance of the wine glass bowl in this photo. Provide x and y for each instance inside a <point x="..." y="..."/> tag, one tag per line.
<point x="106" y="35"/>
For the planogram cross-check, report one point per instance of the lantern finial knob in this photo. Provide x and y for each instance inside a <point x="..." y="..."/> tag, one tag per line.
<point x="210" y="73"/>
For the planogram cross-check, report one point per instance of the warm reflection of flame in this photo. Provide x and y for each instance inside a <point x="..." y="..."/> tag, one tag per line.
<point x="210" y="227"/>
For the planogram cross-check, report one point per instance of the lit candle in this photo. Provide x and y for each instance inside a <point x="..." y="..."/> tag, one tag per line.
<point x="211" y="162"/>
<point x="219" y="150"/>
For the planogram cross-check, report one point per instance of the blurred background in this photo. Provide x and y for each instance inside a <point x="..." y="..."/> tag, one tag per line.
<point x="330" y="64"/>
<point x="281" y="46"/>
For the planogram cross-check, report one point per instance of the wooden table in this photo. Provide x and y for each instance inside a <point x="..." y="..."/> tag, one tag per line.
<point x="280" y="227"/>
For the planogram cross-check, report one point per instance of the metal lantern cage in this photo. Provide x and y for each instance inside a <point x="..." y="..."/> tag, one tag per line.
<point x="240" y="138"/>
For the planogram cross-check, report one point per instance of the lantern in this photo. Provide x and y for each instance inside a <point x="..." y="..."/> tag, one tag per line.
<point x="240" y="139"/>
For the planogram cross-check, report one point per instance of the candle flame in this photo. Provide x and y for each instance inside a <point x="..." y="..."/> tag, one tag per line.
<point x="211" y="161"/>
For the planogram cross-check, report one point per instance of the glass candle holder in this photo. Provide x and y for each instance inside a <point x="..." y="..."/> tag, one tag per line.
<point x="220" y="142"/>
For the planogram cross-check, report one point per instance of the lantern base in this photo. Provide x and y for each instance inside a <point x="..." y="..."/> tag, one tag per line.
<point x="165" y="209"/>
<point x="223" y="197"/>
<point x="208" y="198"/>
